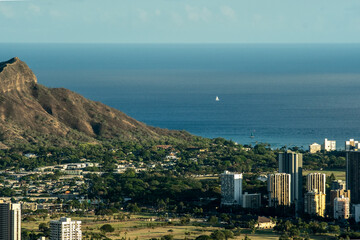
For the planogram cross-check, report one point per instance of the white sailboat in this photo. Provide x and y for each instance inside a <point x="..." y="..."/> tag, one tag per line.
<point x="217" y="99"/>
<point x="252" y="134"/>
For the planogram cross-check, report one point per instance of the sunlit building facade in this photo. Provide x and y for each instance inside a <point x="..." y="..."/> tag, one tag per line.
<point x="279" y="189"/>
<point x="65" y="229"/>
<point x="314" y="203"/>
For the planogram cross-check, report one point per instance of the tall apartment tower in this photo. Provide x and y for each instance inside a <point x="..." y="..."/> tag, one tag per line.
<point x="352" y="175"/>
<point x="316" y="181"/>
<point x="314" y="203"/>
<point x="231" y="188"/>
<point x="291" y="163"/>
<point x="279" y="185"/>
<point x="65" y="229"/>
<point x="341" y="208"/>
<point x="10" y="221"/>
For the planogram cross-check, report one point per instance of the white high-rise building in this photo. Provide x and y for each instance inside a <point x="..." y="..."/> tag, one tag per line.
<point x="65" y="229"/>
<point x="10" y="221"/>
<point x="329" y="145"/>
<point x="231" y="188"/>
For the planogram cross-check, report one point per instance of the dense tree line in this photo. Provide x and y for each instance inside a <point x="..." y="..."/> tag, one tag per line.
<point x="163" y="191"/>
<point x="216" y="155"/>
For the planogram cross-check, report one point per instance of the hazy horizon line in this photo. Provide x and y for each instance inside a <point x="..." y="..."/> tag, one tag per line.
<point x="192" y="43"/>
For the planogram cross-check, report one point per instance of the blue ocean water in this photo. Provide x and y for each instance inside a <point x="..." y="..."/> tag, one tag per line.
<point x="285" y="94"/>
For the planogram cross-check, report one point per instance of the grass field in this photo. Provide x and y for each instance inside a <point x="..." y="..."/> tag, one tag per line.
<point x="132" y="228"/>
<point x="179" y="232"/>
<point x="340" y="175"/>
<point x="206" y="178"/>
<point x="144" y="230"/>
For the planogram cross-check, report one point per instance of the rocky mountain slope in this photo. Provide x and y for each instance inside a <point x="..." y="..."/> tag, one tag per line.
<point x="32" y="113"/>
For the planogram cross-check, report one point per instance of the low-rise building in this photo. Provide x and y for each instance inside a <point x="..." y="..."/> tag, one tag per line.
<point x="265" y="223"/>
<point x="30" y="155"/>
<point x="71" y="166"/>
<point x="73" y="172"/>
<point x="29" y="206"/>
<point x="314" y="148"/>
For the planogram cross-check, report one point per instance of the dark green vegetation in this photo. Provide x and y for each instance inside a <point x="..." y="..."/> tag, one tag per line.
<point x="161" y="191"/>
<point x="202" y="156"/>
<point x="301" y="229"/>
<point x="106" y="228"/>
<point x="172" y="182"/>
<point x="332" y="160"/>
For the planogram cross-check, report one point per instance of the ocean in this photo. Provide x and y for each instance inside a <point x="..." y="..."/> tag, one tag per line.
<point x="283" y="94"/>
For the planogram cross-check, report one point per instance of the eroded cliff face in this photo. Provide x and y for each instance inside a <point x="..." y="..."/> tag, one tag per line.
<point x="32" y="113"/>
<point x="16" y="75"/>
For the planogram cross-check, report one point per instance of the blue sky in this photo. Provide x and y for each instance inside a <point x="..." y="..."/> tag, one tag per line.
<point x="181" y="21"/>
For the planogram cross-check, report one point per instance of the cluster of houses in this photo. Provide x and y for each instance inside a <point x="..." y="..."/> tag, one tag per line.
<point x="65" y="186"/>
<point x="71" y="183"/>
